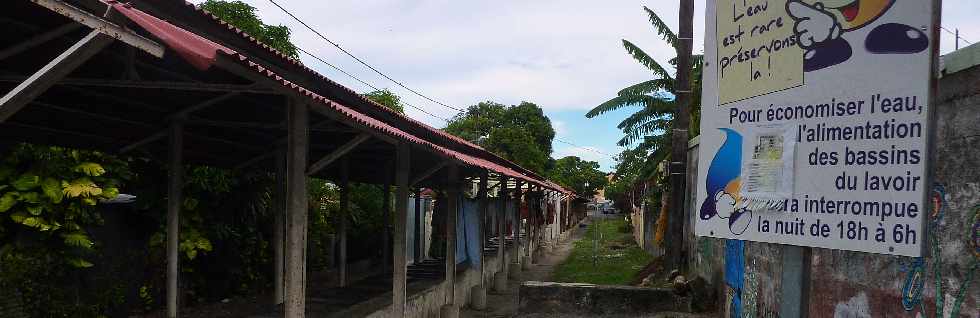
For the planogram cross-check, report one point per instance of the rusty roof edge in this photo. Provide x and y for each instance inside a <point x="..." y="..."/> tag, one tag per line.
<point x="301" y="66"/>
<point x="374" y="123"/>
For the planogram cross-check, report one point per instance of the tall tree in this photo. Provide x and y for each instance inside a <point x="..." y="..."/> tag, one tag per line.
<point x="520" y="133"/>
<point x="243" y="16"/>
<point x="574" y="173"/>
<point x="386" y="98"/>
<point x="649" y="128"/>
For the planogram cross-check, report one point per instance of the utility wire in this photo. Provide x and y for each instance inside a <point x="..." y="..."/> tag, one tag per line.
<point x="358" y="59"/>
<point x="956" y="35"/>
<point x="423" y="110"/>
<point x="291" y="15"/>
<point x="586" y="148"/>
<point x="365" y="83"/>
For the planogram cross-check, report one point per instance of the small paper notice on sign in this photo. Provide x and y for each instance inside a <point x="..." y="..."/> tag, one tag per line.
<point x="769" y="168"/>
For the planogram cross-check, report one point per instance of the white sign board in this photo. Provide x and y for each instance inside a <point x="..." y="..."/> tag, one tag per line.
<point x="814" y="123"/>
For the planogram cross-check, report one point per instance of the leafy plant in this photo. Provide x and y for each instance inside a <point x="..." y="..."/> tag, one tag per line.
<point x="647" y="132"/>
<point x="520" y="133"/>
<point x="50" y="193"/>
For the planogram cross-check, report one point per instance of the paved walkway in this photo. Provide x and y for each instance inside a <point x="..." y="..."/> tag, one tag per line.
<point x="505" y="305"/>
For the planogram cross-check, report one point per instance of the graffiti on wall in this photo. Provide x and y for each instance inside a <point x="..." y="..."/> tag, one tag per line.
<point x="915" y="281"/>
<point x="734" y="275"/>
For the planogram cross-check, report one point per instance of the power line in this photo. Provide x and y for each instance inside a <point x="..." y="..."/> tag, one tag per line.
<point x="362" y="62"/>
<point x="586" y="148"/>
<point x="955" y="34"/>
<point x="358" y="59"/>
<point x="423" y="110"/>
<point x="365" y="83"/>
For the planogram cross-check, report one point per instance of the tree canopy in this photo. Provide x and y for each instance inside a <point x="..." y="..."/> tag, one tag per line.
<point x="243" y="16"/>
<point x="520" y="133"/>
<point x="386" y="98"/>
<point x="647" y="132"/>
<point x="573" y="172"/>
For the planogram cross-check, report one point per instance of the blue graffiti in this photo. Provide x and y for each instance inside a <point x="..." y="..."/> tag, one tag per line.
<point x="735" y="274"/>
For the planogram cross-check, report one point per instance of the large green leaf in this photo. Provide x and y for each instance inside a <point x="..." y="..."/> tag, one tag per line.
<point x="30" y="197"/>
<point x="52" y="189"/>
<point x="79" y="187"/>
<point x="26" y="182"/>
<point x="29" y="221"/>
<point x="110" y="193"/>
<point x="90" y="169"/>
<point x="7" y="201"/>
<point x="662" y="28"/>
<point x="35" y="209"/>
<point x="649" y="87"/>
<point x="640" y="56"/>
<point x="78" y="239"/>
<point x="79" y="263"/>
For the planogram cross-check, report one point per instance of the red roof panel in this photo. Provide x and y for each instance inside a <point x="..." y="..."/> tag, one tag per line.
<point x="202" y="53"/>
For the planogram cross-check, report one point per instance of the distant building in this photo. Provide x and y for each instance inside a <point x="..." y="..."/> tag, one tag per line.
<point x="599" y="200"/>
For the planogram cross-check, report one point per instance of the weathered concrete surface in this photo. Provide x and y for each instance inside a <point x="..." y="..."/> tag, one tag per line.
<point x="505" y="304"/>
<point x="851" y="284"/>
<point x="573" y="298"/>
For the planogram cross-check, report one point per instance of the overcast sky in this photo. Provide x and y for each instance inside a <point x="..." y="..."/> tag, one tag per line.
<point x="566" y="56"/>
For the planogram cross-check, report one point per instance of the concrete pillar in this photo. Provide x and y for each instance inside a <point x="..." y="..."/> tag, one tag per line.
<point x="479" y="292"/>
<point x="500" y="278"/>
<point x="452" y="203"/>
<point x="342" y="221"/>
<point x="400" y="254"/>
<point x="419" y="221"/>
<point x="175" y="184"/>
<point x="515" y="258"/>
<point x="386" y="237"/>
<point x="278" y="208"/>
<point x="297" y="205"/>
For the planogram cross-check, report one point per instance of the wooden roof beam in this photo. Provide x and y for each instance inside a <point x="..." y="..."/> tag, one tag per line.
<point x="43" y="79"/>
<point x="103" y="26"/>
<point x="337" y="154"/>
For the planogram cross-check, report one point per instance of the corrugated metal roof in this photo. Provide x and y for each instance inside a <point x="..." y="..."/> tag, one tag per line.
<point x="295" y="62"/>
<point x="202" y="53"/>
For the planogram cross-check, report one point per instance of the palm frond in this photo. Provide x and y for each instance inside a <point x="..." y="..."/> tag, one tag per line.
<point x="654" y="109"/>
<point x="651" y="86"/>
<point x="617" y="103"/>
<point x="657" y="126"/>
<point x="640" y="56"/>
<point x="662" y="28"/>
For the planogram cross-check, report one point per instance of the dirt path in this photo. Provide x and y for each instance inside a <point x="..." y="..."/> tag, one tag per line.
<point x="505" y="305"/>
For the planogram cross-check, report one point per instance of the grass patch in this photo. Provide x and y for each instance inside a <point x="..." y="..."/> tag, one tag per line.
<point x="619" y="258"/>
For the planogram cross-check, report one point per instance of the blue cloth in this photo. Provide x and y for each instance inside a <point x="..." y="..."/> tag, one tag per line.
<point x="460" y="233"/>
<point x="472" y="227"/>
<point x="410" y="231"/>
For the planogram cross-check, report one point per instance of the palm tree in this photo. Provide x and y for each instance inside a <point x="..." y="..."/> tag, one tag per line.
<point x="650" y="125"/>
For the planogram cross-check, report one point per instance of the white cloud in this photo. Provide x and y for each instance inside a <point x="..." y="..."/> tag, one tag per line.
<point x="558" y="54"/>
<point x="559" y="126"/>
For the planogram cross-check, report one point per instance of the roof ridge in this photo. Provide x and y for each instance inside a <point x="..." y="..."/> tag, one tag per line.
<point x="298" y="63"/>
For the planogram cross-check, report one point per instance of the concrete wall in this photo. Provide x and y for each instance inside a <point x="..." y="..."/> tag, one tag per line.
<point x="643" y="219"/>
<point x="559" y="299"/>
<point x="428" y="301"/>
<point x="851" y="284"/>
